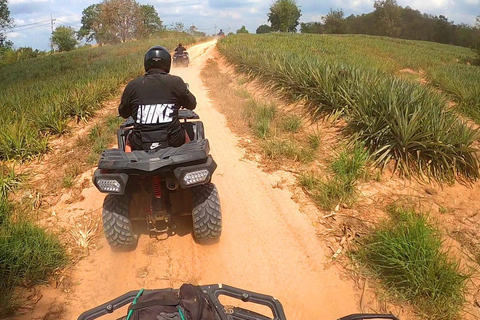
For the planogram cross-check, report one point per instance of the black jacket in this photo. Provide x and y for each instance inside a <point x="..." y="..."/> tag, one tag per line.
<point x="153" y="101"/>
<point x="180" y="49"/>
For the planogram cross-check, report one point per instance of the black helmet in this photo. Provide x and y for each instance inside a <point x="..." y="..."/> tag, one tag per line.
<point x="158" y="57"/>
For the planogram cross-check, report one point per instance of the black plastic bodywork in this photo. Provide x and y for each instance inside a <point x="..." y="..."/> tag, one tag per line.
<point x="149" y="161"/>
<point x="183" y="58"/>
<point x="213" y="292"/>
<point x="222" y="313"/>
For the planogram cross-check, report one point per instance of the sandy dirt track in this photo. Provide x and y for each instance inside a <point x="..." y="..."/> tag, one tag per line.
<point x="267" y="245"/>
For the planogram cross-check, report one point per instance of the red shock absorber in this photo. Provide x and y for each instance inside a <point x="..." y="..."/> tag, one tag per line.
<point x="157" y="187"/>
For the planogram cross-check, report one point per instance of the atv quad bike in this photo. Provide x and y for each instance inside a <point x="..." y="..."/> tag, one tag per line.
<point x="222" y="312"/>
<point x="153" y="190"/>
<point x="181" y="59"/>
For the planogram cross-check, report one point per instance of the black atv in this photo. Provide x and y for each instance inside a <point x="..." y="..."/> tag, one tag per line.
<point x="181" y="59"/>
<point x="212" y="294"/>
<point x="154" y="190"/>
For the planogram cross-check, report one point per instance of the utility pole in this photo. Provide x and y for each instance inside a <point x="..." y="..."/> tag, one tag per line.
<point x="215" y="29"/>
<point x="51" y="25"/>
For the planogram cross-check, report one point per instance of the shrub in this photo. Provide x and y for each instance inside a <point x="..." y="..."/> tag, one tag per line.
<point x="405" y="253"/>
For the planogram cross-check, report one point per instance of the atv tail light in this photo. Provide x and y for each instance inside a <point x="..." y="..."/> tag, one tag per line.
<point x="196" y="177"/>
<point x="114" y="183"/>
<point x="109" y="185"/>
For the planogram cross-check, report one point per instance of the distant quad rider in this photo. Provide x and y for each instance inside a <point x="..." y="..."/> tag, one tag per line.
<point x="153" y="100"/>
<point x="180" y="49"/>
<point x="221" y="33"/>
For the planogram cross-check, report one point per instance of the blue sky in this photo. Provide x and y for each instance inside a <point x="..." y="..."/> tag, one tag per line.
<point x="32" y="17"/>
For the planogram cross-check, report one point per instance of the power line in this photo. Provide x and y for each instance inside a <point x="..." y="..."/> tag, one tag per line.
<point x="30" y="24"/>
<point x="33" y="27"/>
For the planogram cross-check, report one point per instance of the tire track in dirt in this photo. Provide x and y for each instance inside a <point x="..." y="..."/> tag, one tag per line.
<point x="267" y="245"/>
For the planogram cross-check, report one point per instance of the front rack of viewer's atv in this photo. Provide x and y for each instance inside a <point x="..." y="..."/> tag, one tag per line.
<point x="222" y="312"/>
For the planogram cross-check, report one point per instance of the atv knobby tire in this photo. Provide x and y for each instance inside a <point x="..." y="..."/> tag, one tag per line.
<point x="206" y="214"/>
<point x="116" y="223"/>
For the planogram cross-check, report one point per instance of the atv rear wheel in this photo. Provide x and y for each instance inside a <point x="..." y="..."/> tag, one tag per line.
<point x="116" y="222"/>
<point x="206" y="214"/>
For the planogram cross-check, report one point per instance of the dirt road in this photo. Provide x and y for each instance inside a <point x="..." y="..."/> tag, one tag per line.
<point x="268" y="245"/>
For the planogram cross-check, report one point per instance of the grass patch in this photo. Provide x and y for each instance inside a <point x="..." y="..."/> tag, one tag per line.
<point x="406" y="254"/>
<point x="71" y="173"/>
<point x="327" y="193"/>
<point x="28" y="255"/>
<point x="285" y="148"/>
<point x="314" y="140"/>
<point x="100" y="137"/>
<point x="347" y="167"/>
<point x="243" y="93"/>
<point x="260" y="117"/>
<point x="291" y="123"/>
<point x="350" y="163"/>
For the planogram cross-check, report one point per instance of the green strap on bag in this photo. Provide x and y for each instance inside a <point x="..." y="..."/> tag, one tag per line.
<point x="135" y="301"/>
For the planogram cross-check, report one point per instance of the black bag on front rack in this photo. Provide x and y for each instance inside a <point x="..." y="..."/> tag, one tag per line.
<point x="188" y="303"/>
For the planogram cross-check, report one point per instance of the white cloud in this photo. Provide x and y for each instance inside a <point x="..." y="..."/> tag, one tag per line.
<point x="27" y="1"/>
<point x="15" y="35"/>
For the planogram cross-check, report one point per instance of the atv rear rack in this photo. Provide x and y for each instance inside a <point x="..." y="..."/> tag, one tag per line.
<point x="213" y="292"/>
<point x="115" y="159"/>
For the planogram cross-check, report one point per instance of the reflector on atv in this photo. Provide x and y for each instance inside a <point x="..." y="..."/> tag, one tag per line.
<point x="159" y="187"/>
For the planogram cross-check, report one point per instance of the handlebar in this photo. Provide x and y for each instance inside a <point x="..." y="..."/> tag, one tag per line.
<point x="213" y="292"/>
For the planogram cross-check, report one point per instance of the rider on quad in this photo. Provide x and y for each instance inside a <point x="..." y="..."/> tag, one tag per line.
<point x="153" y="101"/>
<point x="180" y="49"/>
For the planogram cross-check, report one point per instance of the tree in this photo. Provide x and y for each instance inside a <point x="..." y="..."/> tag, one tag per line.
<point x="444" y="30"/>
<point x="242" y="30"/>
<point x="311" y="27"/>
<point x="150" y="21"/>
<point x="115" y="21"/>
<point x="121" y="20"/>
<point x="387" y="15"/>
<point x="476" y="46"/>
<point x="64" y="38"/>
<point x="178" y="27"/>
<point x="334" y="22"/>
<point x="284" y="15"/>
<point x="5" y="23"/>
<point x="91" y="24"/>
<point x="264" y="28"/>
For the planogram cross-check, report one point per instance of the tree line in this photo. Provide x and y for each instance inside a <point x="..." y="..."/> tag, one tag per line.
<point x="390" y="19"/>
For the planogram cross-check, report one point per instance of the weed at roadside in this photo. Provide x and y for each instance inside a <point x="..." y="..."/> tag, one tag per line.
<point x="406" y="254"/>
<point x="291" y="123"/>
<point x="347" y="167"/>
<point x="28" y="255"/>
<point x="260" y="117"/>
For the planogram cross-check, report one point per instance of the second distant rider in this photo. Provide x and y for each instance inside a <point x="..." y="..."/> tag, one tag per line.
<point x="153" y="100"/>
